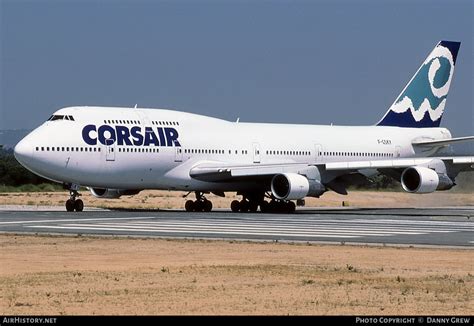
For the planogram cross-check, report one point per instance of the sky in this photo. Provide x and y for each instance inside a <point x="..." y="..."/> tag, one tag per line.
<point x="317" y="62"/>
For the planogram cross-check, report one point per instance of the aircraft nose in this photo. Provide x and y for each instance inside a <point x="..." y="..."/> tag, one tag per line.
<point x="24" y="151"/>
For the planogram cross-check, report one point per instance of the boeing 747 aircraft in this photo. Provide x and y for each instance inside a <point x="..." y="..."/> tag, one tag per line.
<point x="121" y="151"/>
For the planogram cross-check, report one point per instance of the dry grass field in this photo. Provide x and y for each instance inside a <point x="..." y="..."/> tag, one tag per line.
<point x="156" y="199"/>
<point x="82" y="275"/>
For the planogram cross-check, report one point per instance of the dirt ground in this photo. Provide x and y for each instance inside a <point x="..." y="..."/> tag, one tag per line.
<point x="86" y="275"/>
<point x="115" y="276"/>
<point x="153" y="199"/>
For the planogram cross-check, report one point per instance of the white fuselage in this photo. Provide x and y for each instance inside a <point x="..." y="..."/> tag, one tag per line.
<point x="58" y="151"/>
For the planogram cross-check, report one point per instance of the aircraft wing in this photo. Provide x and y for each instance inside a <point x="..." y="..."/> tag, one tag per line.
<point x="217" y="171"/>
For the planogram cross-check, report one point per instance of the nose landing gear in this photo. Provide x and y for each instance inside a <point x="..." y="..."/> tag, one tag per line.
<point x="73" y="204"/>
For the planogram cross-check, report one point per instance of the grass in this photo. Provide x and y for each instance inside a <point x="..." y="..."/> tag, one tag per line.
<point x="307" y="282"/>
<point x="351" y="268"/>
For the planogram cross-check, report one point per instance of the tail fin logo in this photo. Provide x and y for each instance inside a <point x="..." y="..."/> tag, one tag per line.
<point x="422" y="102"/>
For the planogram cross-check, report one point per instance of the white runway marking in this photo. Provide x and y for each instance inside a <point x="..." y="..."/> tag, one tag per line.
<point x="255" y="226"/>
<point x="201" y="232"/>
<point x="76" y="220"/>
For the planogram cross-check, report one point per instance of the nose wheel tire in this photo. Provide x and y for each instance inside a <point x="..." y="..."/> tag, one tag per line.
<point x="78" y="205"/>
<point x="70" y="205"/>
<point x="74" y="205"/>
<point x="189" y="206"/>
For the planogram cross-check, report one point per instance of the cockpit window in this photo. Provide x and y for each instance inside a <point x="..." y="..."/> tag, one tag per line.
<point x="61" y="117"/>
<point x="56" y="117"/>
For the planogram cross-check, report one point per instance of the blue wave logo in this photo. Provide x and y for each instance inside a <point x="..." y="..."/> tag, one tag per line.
<point x="421" y="104"/>
<point x="428" y="84"/>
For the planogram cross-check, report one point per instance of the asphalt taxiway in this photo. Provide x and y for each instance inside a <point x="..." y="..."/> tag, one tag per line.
<point x="431" y="227"/>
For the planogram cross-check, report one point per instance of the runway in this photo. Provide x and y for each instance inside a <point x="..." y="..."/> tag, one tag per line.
<point x="432" y="227"/>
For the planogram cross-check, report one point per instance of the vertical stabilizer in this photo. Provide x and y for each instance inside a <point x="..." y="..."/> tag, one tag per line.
<point x="422" y="101"/>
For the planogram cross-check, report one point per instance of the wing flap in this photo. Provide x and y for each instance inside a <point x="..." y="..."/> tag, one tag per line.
<point x="376" y="164"/>
<point x="396" y="163"/>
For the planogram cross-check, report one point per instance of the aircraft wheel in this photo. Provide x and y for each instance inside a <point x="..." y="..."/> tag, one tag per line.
<point x="189" y="206"/>
<point x="273" y="207"/>
<point x="235" y="206"/>
<point x="207" y="206"/>
<point x="291" y="207"/>
<point x="244" y="206"/>
<point x="253" y="206"/>
<point x="264" y="207"/>
<point x="70" y="205"/>
<point x="78" y="205"/>
<point x="198" y="206"/>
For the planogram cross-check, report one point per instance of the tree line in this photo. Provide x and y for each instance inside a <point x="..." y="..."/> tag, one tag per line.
<point x="13" y="173"/>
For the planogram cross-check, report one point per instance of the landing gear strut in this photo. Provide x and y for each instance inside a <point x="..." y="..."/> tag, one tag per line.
<point x="201" y="204"/>
<point x="73" y="204"/>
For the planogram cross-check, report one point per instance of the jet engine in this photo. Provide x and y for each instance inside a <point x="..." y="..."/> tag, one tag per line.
<point x="422" y="180"/>
<point x="112" y="193"/>
<point x="291" y="186"/>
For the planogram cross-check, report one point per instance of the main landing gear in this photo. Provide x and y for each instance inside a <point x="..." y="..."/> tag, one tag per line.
<point x="273" y="206"/>
<point x="278" y="206"/>
<point x="74" y="204"/>
<point x="251" y="202"/>
<point x="201" y="204"/>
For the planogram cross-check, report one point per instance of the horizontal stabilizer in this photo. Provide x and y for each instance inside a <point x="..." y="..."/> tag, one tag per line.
<point x="442" y="142"/>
